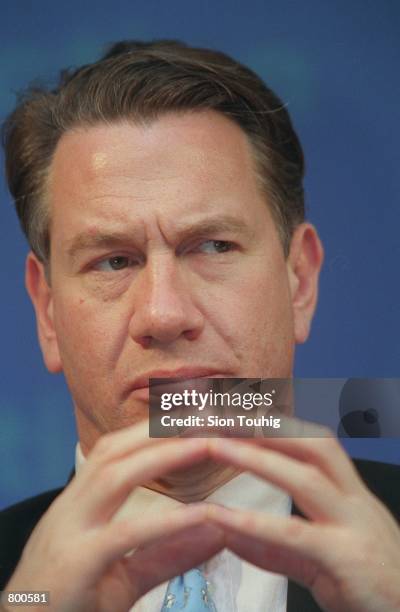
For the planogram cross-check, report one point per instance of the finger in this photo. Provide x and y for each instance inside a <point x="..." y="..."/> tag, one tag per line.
<point x="330" y="561"/>
<point x="273" y="558"/>
<point x="289" y="545"/>
<point x="116" y="444"/>
<point x="103" y="491"/>
<point x="174" y="555"/>
<point x="313" y="493"/>
<point x="116" y="539"/>
<point x="314" y="444"/>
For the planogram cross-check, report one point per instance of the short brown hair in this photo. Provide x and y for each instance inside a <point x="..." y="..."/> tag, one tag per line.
<point x="141" y="81"/>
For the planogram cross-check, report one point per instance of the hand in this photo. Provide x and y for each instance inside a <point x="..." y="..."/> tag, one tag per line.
<point x="347" y="553"/>
<point x="79" y="554"/>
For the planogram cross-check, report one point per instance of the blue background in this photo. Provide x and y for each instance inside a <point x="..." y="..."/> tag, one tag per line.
<point x="336" y="65"/>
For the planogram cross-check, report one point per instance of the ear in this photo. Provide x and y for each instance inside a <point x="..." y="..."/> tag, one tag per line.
<point x="41" y="295"/>
<point x="304" y="264"/>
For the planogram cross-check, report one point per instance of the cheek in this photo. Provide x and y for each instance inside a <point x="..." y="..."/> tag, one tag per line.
<point x="257" y="299"/>
<point x="84" y="332"/>
<point x="254" y="319"/>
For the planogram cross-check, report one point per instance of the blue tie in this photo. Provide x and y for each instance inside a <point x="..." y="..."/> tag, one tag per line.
<point x="189" y="593"/>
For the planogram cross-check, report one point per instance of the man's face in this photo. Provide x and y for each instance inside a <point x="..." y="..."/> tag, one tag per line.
<point x="164" y="259"/>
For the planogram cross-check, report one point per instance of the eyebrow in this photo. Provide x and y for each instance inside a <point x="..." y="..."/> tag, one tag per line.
<point x="110" y="238"/>
<point x="87" y="240"/>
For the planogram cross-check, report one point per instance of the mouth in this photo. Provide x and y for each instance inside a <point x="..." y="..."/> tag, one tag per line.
<point x="177" y="378"/>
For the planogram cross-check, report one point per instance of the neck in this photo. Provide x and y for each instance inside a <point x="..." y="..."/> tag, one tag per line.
<point x="193" y="484"/>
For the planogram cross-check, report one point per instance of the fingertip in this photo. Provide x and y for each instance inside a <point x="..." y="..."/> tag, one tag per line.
<point x="194" y="512"/>
<point x="219" y="446"/>
<point x="216" y="512"/>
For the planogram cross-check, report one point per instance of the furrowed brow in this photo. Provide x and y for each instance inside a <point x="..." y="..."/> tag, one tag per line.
<point x="90" y="241"/>
<point x="228" y="224"/>
<point x="182" y="231"/>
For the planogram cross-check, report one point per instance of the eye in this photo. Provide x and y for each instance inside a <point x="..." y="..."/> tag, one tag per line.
<point x="216" y="246"/>
<point x="117" y="262"/>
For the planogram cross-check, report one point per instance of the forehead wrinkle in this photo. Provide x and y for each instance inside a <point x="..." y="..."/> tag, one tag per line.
<point x="96" y="236"/>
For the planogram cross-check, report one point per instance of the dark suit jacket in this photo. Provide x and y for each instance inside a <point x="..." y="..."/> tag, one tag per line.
<point x="18" y="521"/>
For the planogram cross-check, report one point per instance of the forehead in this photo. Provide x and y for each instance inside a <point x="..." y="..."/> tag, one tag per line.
<point x="202" y="145"/>
<point x="177" y="169"/>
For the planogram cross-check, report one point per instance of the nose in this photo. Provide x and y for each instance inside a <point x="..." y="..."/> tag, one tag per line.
<point x="164" y="309"/>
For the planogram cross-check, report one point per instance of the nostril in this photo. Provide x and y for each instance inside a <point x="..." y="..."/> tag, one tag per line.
<point x="192" y="334"/>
